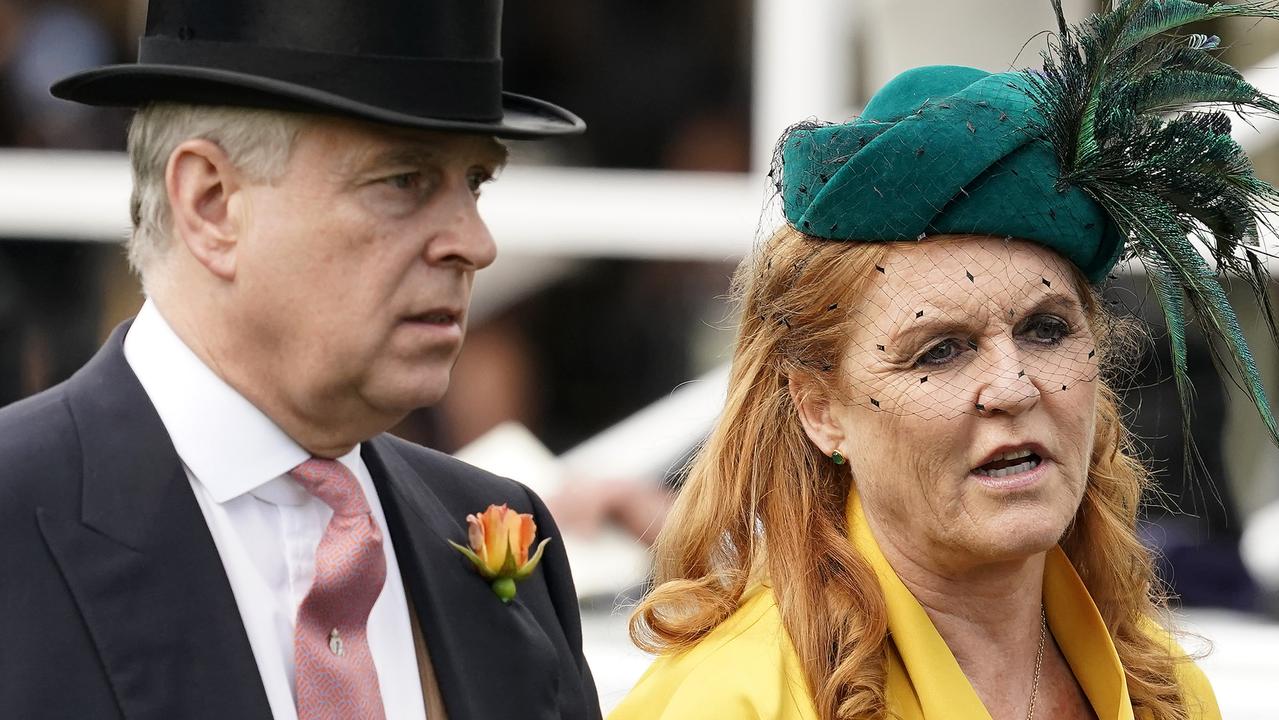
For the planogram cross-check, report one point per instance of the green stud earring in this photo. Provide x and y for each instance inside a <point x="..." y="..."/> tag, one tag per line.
<point x="837" y="457"/>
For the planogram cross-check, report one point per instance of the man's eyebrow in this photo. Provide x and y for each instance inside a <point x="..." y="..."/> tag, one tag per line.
<point x="500" y="154"/>
<point x="414" y="155"/>
<point x="493" y="153"/>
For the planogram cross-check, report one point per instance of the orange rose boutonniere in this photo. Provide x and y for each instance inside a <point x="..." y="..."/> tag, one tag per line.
<point x="500" y="541"/>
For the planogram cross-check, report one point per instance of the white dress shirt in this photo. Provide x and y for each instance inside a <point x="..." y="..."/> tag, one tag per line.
<point x="265" y="525"/>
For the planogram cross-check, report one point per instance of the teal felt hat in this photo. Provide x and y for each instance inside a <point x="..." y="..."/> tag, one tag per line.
<point x="1117" y="147"/>
<point x="943" y="150"/>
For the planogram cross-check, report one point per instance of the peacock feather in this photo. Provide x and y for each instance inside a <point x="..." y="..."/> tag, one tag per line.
<point x="1132" y="105"/>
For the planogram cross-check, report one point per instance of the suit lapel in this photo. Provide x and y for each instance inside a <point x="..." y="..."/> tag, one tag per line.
<point x="141" y="564"/>
<point x="492" y="659"/>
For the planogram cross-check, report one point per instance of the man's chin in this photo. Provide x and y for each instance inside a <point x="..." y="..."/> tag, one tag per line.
<point x="403" y="398"/>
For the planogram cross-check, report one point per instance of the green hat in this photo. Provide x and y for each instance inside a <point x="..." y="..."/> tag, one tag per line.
<point x="943" y="150"/>
<point x="1117" y="147"/>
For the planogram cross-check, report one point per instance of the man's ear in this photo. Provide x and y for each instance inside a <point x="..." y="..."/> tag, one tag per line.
<point x="814" y="407"/>
<point x="204" y="200"/>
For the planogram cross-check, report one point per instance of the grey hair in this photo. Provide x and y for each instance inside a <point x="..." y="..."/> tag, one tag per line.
<point x="258" y="143"/>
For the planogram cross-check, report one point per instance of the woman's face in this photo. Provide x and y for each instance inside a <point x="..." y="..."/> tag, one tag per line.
<point x="968" y="400"/>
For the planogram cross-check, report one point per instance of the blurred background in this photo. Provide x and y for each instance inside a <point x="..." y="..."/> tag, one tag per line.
<point x="595" y="358"/>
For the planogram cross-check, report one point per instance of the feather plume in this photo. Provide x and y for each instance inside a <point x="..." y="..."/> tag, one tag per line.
<point x="1132" y="106"/>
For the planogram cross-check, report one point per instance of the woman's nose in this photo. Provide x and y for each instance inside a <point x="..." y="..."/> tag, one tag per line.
<point x="1005" y="382"/>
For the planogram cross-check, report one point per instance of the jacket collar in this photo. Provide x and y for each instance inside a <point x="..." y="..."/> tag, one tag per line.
<point x="478" y="642"/>
<point x="141" y="564"/>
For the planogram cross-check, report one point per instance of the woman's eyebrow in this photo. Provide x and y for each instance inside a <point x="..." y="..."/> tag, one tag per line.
<point x="1058" y="301"/>
<point x="930" y="320"/>
<point x="920" y="310"/>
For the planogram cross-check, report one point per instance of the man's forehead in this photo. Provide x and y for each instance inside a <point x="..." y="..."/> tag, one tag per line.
<point x="372" y="144"/>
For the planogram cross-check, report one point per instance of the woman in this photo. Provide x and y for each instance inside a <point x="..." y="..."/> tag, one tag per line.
<point x="919" y="501"/>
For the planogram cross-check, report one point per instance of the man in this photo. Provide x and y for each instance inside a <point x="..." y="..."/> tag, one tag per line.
<point x="207" y="520"/>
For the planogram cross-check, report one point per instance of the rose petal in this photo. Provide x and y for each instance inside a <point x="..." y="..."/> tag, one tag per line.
<point x="475" y="533"/>
<point x="527" y="531"/>
<point x="511" y="530"/>
<point x="496" y="539"/>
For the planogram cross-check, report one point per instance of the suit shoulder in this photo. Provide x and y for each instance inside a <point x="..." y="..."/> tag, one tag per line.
<point x="747" y="666"/>
<point x="447" y="473"/>
<point x="34" y="427"/>
<point x="38" y="443"/>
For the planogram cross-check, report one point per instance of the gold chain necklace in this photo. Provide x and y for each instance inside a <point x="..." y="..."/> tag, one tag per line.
<point x="1039" y="660"/>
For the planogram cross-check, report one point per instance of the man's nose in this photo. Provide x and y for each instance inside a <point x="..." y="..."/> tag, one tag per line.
<point x="463" y="237"/>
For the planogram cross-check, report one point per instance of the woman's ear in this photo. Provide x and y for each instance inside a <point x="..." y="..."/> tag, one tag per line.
<point x="813" y="404"/>
<point x="204" y="191"/>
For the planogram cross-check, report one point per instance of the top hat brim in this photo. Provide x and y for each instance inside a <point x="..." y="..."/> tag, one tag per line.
<point x="134" y="85"/>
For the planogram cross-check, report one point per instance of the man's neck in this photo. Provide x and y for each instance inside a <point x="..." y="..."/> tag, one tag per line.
<point x="212" y="346"/>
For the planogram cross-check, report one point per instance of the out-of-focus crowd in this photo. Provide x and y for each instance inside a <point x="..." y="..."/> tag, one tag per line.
<point x="646" y="319"/>
<point x="49" y="291"/>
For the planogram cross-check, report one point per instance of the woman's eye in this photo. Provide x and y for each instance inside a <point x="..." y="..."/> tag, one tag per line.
<point x="1045" y="329"/>
<point x="941" y="353"/>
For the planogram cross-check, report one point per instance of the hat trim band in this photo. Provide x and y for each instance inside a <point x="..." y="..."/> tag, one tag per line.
<point x="447" y="88"/>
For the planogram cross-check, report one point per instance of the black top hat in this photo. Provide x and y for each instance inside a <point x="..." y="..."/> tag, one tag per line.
<point x="432" y="64"/>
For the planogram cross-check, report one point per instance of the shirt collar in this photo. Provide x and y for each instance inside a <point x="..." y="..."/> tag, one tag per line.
<point x="229" y="445"/>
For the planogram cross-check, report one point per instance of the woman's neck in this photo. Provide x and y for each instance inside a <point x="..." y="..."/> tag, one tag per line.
<point x="988" y="615"/>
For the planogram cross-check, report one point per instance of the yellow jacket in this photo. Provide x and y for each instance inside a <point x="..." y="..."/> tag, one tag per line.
<point x="747" y="668"/>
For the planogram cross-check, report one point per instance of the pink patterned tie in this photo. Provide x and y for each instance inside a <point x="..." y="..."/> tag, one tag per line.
<point x="336" y="679"/>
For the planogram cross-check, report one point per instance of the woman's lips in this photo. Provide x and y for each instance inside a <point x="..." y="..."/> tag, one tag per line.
<point x="1010" y="463"/>
<point x="1007" y="454"/>
<point x="1017" y="480"/>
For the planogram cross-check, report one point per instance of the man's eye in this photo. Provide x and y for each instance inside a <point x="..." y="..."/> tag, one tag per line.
<point x="477" y="178"/>
<point x="1045" y="329"/>
<point x="405" y="181"/>
<point x="941" y="353"/>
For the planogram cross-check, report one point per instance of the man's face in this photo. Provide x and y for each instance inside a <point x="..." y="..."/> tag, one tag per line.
<point x="354" y="270"/>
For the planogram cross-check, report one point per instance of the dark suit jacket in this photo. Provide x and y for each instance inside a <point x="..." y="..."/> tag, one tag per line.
<point x="114" y="602"/>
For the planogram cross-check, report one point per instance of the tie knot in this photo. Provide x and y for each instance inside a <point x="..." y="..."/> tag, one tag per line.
<point x="330" y="481"/>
